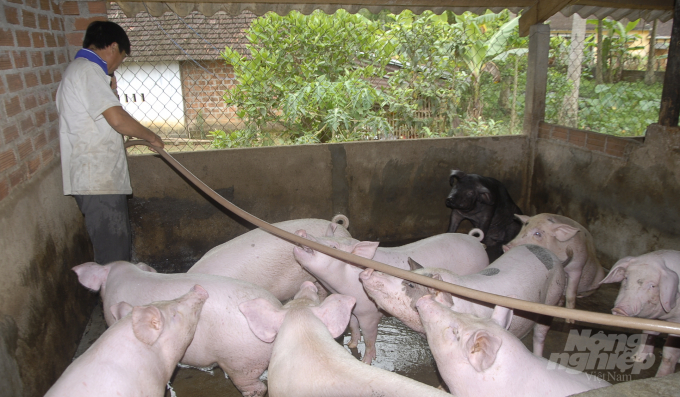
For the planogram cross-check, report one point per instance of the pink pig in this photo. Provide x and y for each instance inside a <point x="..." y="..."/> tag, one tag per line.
<point x="565" y="238"/>
<point x="461" y="253"/>
<point x="137" y="355"/>
<point x="649" y="289"/>
<point x="266" y="260"/>
<point x="222" y="335"/>
<point x="308" y="362"/>
<point x="527" y="272"/>
<point x="478" y="357"/>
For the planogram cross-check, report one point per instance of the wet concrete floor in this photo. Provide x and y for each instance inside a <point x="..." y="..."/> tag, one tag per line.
<point x="405" y="352"/>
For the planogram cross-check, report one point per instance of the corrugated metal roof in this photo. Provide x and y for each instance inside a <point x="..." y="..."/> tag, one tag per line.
<point x="211" y="8"/>
<point x="168" y="37"/>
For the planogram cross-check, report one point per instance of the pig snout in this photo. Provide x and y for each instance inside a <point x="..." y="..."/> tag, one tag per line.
<point x="617" y="311"/>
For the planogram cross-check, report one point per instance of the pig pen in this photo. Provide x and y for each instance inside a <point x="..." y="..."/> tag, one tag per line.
<point x="623" y="191"/>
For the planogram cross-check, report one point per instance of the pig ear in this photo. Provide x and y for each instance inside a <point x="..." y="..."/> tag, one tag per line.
<point x="444" y="298"/>
<point x="484" y="196"/>
<point x="120" y="310"/>
<point x="301" y="233"/>
<point x="668" y="289"/>
<point x="330" y="231"/>
<point x="147" y="323"/>
<point x="564" y="232"/>
<point x="146" y="268"/>
<point x="413" y="265"/>
<point x="455" y="174"/>
<point x="263" y="318"/>
<point x="618" y="271"/>
<point x="502" y="315"/>
<point x="335" y="312"/>
<point x="91" y="275"/>
<point x="522" y="218"/>
<point x="481" y="349"/>
<point x="365" y="249"/>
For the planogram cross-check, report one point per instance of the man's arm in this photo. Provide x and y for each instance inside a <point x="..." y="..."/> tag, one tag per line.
<point x="124" y="124"/>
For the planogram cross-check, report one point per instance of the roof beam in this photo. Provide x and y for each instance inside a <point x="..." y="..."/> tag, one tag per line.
<point x="539" y="13"/>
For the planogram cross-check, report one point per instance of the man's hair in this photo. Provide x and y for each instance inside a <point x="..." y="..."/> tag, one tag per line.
<point x="102" y="34"/>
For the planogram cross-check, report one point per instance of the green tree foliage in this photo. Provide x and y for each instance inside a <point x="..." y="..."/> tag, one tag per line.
<point x="309" y="74"/>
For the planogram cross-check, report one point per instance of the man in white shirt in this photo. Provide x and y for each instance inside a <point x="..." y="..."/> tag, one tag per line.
<point x="92" y="123"/>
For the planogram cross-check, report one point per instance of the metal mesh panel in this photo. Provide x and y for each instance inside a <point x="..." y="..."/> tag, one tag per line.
<point x="601" y="77"/>
<point x="237" y="81"/>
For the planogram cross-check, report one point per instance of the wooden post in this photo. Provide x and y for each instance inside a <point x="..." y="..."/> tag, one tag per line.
<point x="670" y="96"/>
<point x="534" y="109"/>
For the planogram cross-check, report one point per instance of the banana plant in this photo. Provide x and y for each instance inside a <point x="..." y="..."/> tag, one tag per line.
<point x="477" y="55"/>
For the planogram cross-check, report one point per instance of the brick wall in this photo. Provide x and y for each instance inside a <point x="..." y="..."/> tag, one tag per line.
<point x="203" y="90"/>
<point x="37" y="40"/>
<point x="607" y="144"/>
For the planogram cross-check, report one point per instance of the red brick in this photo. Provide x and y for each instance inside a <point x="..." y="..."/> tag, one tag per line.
<point x="45" y="5"/>
<point x="56" y="8"/>
<point x="39" y="142"/>
<point x="16" y="1"/>
<point x="23" y="38"/>
<point x="61" y="58"/>
<point x="6" y="38"/>
<point x="12" y="106"/>
<point x="595" y="141"/>
<point x="4" y="189"/>
<point x="12" y="15"/>
<point x="61" y="41"/>
<point x="70" y="8"/>
<point x="14" y="82"/>
<point x="17" y="176"/>
<point x="43" y="22"/>
<point x="49" y="58"/>
<point x="44" y="97"/>
<point x="30" y="102"/>
<point x="37" y="59"/>
<point x="615" y="146"/>
<point x="25" y="149"/>
<point x="20" y="59"/>
<point x="544" y="130"/>
<point x="46" y="77"/>
<point x="577" y="137"/>
<point x="83" y="23"/>
<point x="47" y="155"/>
<point x="32" y="3"/>
<point x="50" y="40"/>
<point x="3" y="89"/>
<point x="34" y="165"/>
<point x="57" y="76"/>
<point x="10" y="134"/>
<point x="38" y="39"/>
<point x="53" y="134"/>
<point x="52" y="116"/>
<point x="31" y="79"/>
<point x="29" y="20"/>
<point x="97" y="7"/>
<point x="40" y="119"/>
<point x="56" y="24"/>
<point x="559" y="132"/>
<point x="5" y="61"/>
<point x="7" y="160"/>
<point x="75" y="38"/>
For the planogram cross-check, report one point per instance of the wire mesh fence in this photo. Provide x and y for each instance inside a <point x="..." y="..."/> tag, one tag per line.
<point x="228" y="81"/>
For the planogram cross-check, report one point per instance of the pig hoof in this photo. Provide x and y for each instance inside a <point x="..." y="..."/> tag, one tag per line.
<point x="569" y="321"/>
<point x="352" y="344"/>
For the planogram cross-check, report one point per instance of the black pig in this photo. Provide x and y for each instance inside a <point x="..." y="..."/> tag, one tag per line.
<point x="486" y="203"/>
